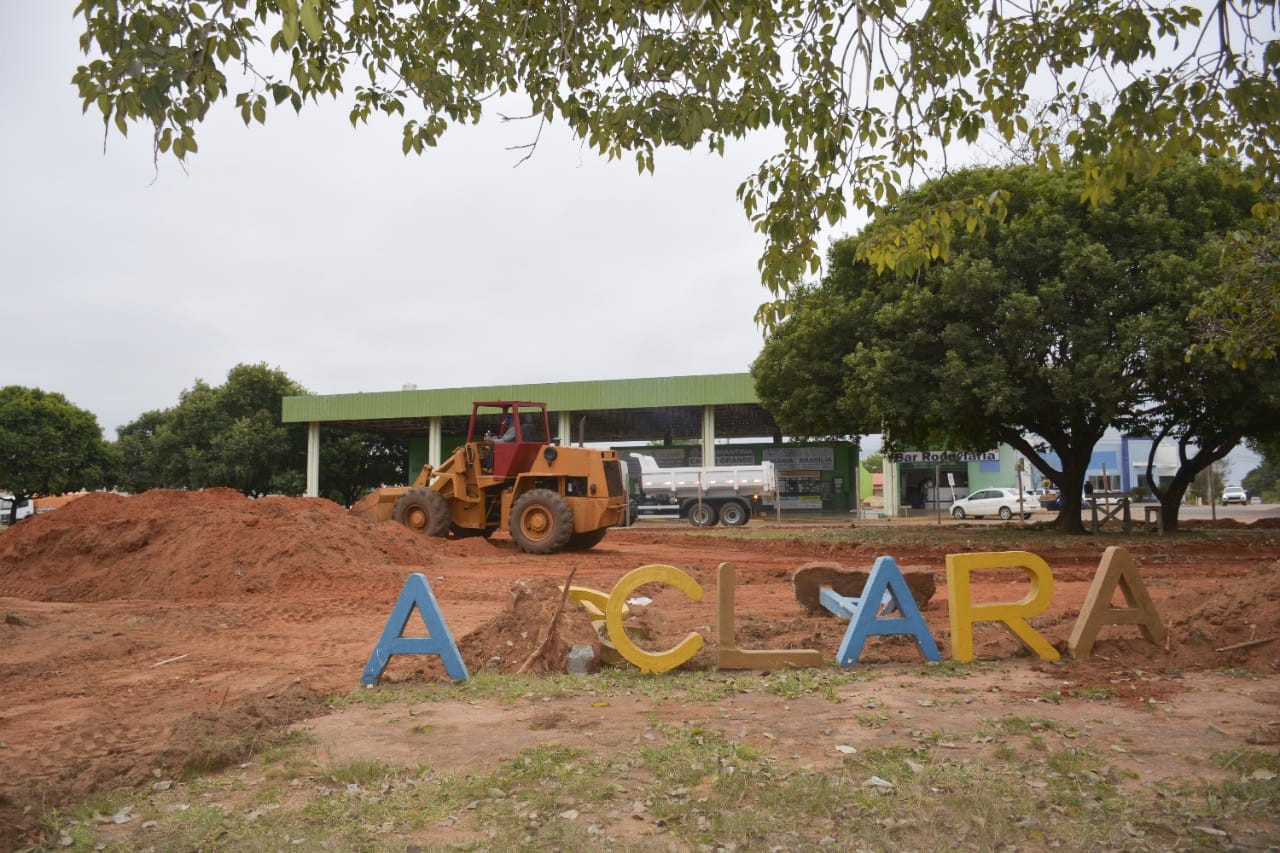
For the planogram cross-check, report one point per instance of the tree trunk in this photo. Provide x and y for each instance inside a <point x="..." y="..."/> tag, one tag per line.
<point x="1171" y="499"/>
<point x="1071" y="488"/>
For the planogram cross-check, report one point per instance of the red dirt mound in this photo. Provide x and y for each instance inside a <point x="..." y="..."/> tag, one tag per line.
<point x="173" y="545"/>
<point x="514" y="636"/>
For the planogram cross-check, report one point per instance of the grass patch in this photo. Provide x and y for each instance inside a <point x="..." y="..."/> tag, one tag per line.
<point x="686" y="786"/>
<point x="795" y="683"/>
<point x="680" y="687"/>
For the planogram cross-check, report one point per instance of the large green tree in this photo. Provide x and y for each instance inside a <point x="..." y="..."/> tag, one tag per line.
<point x="1042" y="332"/>
<point x="1197" y="398"/>
<point x="864" y="95"/>
<point x="227" y="435"/>
<point x="232" y="435"/>
<point x="48" y="445"/>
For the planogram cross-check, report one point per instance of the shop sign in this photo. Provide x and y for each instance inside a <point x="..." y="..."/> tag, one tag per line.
<point x="726" y="457"/>
<point x="945" y="456"/>
<point x="801" y="458"/>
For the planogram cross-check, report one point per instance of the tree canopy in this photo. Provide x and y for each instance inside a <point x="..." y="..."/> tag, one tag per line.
<point x="49" y="446"/>
<point x="232" y="435"/>
<point x="1041" y="332"/>
<point x="352" y="464"/>
<point x="229" y="435"/>
<point x="866" y="96"/>
<point x="1240" y="317"/>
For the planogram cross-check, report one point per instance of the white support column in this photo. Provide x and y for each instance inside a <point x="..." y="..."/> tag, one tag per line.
<point x="313" y="459"/>
<point x="434" y="442"/>
<point x="891" y="472"/>
<point x="708" y="436"/>
<point x="564" y="428"/>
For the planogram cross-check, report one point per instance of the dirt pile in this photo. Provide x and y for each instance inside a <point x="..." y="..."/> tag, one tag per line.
<point x="172" y="545"/>
<point x="809" y="579"/>
<point x="518" y="634"/>
<point x="1237" y="612"/>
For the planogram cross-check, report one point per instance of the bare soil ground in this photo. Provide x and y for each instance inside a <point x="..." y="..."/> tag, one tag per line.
<point x="133" y="631"/>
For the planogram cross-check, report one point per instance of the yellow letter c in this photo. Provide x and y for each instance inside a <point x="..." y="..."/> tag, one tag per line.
<point x="630" y="582"/>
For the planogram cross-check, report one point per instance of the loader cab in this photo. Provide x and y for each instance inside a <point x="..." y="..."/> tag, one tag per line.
<point x="514" y="431"/>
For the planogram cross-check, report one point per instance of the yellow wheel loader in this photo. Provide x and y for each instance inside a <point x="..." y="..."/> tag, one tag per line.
<point x="510" y="475"/>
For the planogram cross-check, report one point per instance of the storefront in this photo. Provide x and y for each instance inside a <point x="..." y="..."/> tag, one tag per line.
<point x="928" y="481"/>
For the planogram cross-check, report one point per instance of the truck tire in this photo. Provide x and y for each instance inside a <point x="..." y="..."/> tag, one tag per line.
<point x="734" y="514"/>
<point x="541" y="521"/>
<point x="424" y="511"/>
<point x="703" y="514"/>
<point x="588" y="540"/>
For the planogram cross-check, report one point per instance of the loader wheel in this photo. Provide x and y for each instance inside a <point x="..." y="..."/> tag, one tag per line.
<point x="588" y="540"/>
<point x="423" y="510"/>
<point x="541" y="521"/>
<point x="734" y="514"/>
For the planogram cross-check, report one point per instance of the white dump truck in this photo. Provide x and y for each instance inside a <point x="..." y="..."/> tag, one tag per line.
<point x="707" y="496"/>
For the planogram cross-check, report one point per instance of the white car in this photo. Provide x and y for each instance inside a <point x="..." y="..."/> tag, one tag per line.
<point x="1001" y="502"/>
<point x="1234" y="495"/>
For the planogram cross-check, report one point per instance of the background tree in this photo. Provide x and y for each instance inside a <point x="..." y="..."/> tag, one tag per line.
<point x="1202" y="403"/>
<point x="49" y="446"/>
<point x="232" y="435"/>
<point x="873" y="463"/>
<point x="1036" y="332"/>
<point x="1264" y="480"/>
<point x="1210" y="480"/>
<point x="140" y="463"/>
<point x="351" y="464"/>
<point x="861" y="93"/>
<point x="229" y="435"/>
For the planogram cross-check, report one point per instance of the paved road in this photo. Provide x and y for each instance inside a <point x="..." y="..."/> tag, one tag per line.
<point x="1243" y="514"/>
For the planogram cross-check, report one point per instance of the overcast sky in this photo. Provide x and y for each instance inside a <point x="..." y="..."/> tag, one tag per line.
<point x="321" y="250"/>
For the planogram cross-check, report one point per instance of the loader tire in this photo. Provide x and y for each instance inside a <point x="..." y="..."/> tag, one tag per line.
<point x="541" y="521"/>
<point x="588" y="540"/>
<point x="424" y="511"/>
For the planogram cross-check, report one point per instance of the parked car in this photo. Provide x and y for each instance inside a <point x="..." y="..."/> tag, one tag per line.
<point x="1234" y="495"/>
<point x="1001" y="502"/>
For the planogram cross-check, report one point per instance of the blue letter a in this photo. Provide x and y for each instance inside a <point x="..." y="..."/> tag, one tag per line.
<point x="439" y="642"/>
<point x="865" y="620"/>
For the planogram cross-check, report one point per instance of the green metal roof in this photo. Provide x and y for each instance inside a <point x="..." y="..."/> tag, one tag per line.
<point x="668" y="402"/>
<point x="715" y="389"/>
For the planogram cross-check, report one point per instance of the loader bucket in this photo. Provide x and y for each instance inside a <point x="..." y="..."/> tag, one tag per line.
<point x="377" y="505"/>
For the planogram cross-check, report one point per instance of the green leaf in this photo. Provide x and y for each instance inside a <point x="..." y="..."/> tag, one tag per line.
<point x="311" y="19"/>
